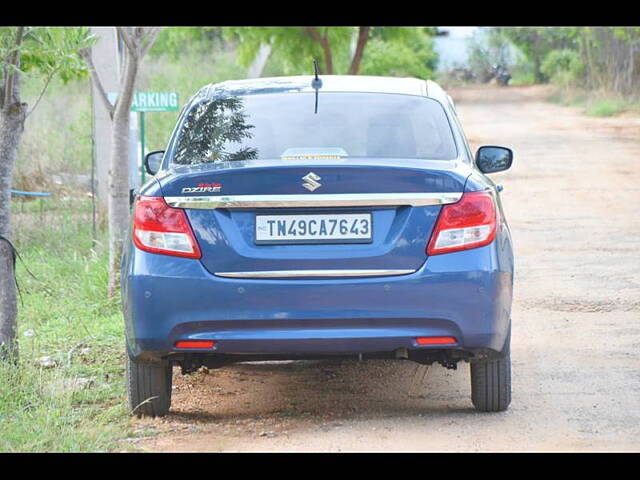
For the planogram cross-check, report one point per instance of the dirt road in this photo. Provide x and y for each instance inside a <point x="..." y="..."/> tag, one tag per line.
<point x="572" y="200"/>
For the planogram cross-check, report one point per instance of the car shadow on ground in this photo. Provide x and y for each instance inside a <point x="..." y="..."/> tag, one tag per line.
<point x="320" y="391"/>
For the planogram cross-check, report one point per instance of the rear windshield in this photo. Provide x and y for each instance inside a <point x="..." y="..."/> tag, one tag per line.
<point x="284" y="126"/>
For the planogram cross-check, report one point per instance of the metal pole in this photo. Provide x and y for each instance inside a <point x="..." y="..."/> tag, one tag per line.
<point x="94" y="236"/>
<point x="142" y="172"/>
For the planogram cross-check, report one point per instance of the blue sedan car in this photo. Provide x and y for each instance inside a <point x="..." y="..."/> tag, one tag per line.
<point x="306" y="218"/>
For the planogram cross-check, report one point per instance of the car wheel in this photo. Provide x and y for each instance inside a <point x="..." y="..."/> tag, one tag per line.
<point x="149" y="388"/>
<point x="491" y="382"/>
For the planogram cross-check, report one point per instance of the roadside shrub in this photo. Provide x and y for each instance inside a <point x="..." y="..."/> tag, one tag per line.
<point x="563" y="66"/>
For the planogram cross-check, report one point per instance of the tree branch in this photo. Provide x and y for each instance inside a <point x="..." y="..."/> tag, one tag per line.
<point x="44" y="89"/>
<point x="313" y="32"/>
<point x="86" y="54"/>
<point x="150" y="39"/>
<point x="126" y="36"/>
<point x="14" y="60"/>
<point x="326" y="48"/>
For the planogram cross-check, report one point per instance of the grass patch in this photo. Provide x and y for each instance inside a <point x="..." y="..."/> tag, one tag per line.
<point x="594" y="103"/>
<point x="568" y="98"/>
<point x="57" y="136"/>
<point x="606" y="108"/>
<point x="78" y="405"/>
<point x="522" y="78"/>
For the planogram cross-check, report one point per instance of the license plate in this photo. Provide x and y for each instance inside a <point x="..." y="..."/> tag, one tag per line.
<point x="314" y="228"/>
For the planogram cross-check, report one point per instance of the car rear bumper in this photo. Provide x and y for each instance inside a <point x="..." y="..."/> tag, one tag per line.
<point x="466" y="295"/>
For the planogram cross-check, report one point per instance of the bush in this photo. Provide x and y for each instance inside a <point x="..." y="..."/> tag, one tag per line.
<point x="563" y="66"/>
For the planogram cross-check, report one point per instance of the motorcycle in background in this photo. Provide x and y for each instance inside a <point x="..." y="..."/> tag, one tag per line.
<point x="501" y="74"/>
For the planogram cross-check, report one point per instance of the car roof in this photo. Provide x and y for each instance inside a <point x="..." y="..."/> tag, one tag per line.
<point x="330" y="83"/>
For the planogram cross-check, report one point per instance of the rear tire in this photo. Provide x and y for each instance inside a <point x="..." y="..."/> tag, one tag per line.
<point x="491" y="382"/>
<point x="149" y="388"/>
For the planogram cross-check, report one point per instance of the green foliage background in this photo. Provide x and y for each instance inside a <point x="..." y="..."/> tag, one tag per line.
<point x="594" y="58"/>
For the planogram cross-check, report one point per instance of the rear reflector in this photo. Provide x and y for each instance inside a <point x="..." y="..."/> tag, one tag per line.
<point x="469" y="223"/>
<point x="195" y="344"/>
<point x="436" y="340"/>
<point x="159" y="228"/>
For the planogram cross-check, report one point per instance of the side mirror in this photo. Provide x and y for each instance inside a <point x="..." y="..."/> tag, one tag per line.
<point x="492" y="159"/>
<point x="152" y="161"/>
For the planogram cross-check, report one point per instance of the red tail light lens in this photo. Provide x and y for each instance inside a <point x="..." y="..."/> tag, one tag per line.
<point x="436" y="340"/>
<point x="469" y="223"/>
<point x="199" y="344"/>
<point x="159" y="228"/>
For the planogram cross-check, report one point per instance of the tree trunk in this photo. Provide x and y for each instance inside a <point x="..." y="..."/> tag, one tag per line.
<point x="137" y="42"/>
<point x="537" y="60"/>
<point x="11" y="127"/>
<point x="119" y="212"/>
<point x="363" y="38"/>
<point x="537" y="73"/>
<point x="630" y="68"/>
<point x="328" y="56"/>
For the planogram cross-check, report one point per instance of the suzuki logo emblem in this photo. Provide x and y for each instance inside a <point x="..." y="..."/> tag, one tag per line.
<point x="311" y="181"/>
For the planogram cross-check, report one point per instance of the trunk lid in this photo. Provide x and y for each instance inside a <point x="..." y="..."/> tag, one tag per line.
<point x="399" y="231"/>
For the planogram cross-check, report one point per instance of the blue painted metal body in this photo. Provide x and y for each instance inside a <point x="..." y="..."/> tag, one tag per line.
<point x="465" y="294"/>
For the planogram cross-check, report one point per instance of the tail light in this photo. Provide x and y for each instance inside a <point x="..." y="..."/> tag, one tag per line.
<point x="436" y="340"/>
<point x="468" y="223"/>
<point x="159" y="228"/>
<point x="200" y="344"/>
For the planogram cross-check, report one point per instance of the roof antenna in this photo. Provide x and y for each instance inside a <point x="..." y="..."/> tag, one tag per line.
<point x="316" y="83"/>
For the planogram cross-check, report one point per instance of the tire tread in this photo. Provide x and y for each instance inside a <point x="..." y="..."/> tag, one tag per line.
<point x="491" y="384"/>
<point x="146" y="381"/>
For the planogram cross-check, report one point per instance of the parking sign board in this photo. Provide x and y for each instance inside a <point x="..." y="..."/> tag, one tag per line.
<point x="155" y="102"/>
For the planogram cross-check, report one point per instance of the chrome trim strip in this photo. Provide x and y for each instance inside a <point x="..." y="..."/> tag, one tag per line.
<point x="313" y="273"/>
<point x="317" y="200"/>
